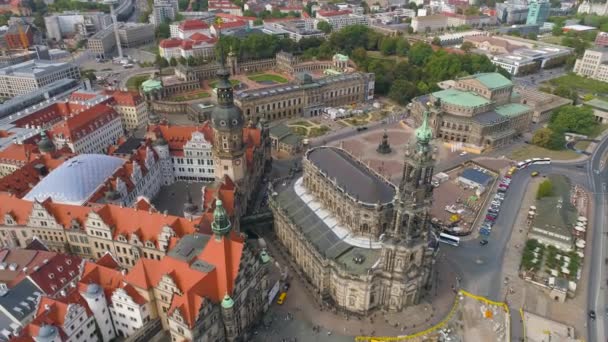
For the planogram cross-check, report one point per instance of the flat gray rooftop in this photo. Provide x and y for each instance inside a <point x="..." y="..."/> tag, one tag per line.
<point x="351" y="176"/>
<point x="325" y="241"/>
<point x="189" y="246"/>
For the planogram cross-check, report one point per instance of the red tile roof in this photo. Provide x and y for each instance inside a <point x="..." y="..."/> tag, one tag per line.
<point x="57" y="273"/>
<point x="177" y="136"/>
<point x="109" y="278"/>
<point x="333" y="13"/>
<point x="82" y="124"/>
<point x="126" y="98"/>
<point x="193" y="24"/>
<point x="224" y="255"/>
<point x="231" y="24"/>
<point x="170" y="43"/>
<point x="26" y="260"/>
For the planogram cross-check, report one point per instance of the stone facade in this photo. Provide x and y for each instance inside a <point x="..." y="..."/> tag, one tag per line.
<point x="374" y="254"/>
<point x="479" y="112"/>
<point x="306" y="97"/>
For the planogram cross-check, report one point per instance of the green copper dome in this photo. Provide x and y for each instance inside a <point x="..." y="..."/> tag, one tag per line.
<point x="45" y="144"/>
<point x="151" y="85"/>
<point x="227" y="302"/>
<point x="221" y="223"/>
<point x="424" y="133"/>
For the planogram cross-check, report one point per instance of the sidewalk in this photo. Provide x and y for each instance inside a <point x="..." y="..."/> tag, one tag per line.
<point x="304" y="305"/>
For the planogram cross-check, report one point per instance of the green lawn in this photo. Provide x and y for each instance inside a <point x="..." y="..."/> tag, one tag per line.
<point x="357" y="121"/>
<point x="190" y="97"/>
<point x="552" y="40"/>
<point x="582" y="145"/>
<point x="533" y="151"/>
<point x="301" y="131"/>
<point x="599" y="129"/>
<point x="233" y="82"/>
<point x="582" y="84"/>
<point x="317" y="131"/>
<point x="302" y="123"/>
<point x="134" y="82"/>
<point x="267" y="77"/>
<point x="379" y="55"/>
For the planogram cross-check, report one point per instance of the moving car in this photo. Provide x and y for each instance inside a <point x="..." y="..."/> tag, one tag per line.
<point x="282" y="297"/>
<point x="592" y="314"/>
<point x="483" y="242"/>
<point x="534" y="174"/>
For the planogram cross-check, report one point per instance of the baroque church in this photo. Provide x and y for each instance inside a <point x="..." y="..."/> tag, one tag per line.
<point x="362" y="242"/>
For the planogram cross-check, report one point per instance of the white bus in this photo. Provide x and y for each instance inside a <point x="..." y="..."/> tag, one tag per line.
<point x="449" y="239"/>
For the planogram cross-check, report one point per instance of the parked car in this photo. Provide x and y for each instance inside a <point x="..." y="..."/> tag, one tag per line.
<point x="490" y="218"/>
<point x="484" y="232"/>
<point x="483" y="242"/>
<point x="534" y="174"/>
<point x="592" y="314"/>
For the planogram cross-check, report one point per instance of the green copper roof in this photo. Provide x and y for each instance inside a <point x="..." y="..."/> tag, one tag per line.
<point x="424" y="133"/>
<point x="341" y="57"/>
<point x="597" y="103"/>
<point x="512" y="109"/>
<point x="264" y="257"/>
<point x="227" y="302"/>
<point x="221" y="223"/>
<point x="150" y="85"/>
<point x="493" y="80"/>
<point x="460" y="98"/>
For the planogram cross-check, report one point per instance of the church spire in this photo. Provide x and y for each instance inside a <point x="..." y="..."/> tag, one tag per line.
<point x="424" y="133"/>
<point x="221" y="223"/>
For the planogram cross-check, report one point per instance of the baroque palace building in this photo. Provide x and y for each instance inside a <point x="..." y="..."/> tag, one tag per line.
<point x="479" y="112"/>
<point x="362" y="242"/>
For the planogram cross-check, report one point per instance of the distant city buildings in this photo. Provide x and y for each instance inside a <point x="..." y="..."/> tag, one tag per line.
<point x="601" y="40"/>
<point x="164" y="11"/>
<point x="103" y="43"/>
<point x="341" y="18"/>
<point x="21" y="79"/>
<point x="512" y="12"/>
<point x="588" y="7"/>
<point x="538" y="12"/>
<point x="71" y="24"/>
<point x="436" y="22"/>
<point x="593" y="64"/>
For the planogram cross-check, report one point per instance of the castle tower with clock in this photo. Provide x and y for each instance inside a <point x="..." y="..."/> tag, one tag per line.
<point x="227" y="123"/>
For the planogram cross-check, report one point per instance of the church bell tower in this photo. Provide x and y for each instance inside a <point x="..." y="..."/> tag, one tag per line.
<point x="227" y="122"/>
<point x="414" y="197"/>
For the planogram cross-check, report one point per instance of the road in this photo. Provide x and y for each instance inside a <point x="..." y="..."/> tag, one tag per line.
<point x="534" y="80"/>
<point x="597" y="178"/>
<point x="480" y="267"/>
<point x="124" y="76"/>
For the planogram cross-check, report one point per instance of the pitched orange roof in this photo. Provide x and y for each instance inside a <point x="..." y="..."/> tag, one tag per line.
<point x="108" y="261"/>
<point x="57" y="273"/>
<point x="79" y="125"/>
<point x="177" y="136"/>
<point x="17" y="208"/>
<point x="126" y="98"/>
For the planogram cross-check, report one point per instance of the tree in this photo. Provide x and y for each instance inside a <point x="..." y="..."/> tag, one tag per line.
<point x="503" y="72"/>
<point x="532" y="36"/>
<point x="542" y="137"/>
<point x="258" y="22"/>
<point x="182" y="60"/>
<point x="545" y="189"/>
<point x="565" y="91"/>
<point x="388" y="46"/>
<point x="183" y="4"/>
<point x="88" y="74"/>
<point x="173" y="61"/>
<point x="573" y="119"/>
<point x="419" y="53"/>
<point x="163" y="31"/>
<point x="402" y="91"/>
<point x="402" y="47"/>
<point x="161" y="62"/>
<point x="467" y="47"/>
<point x="436" y="41"/>
<point x="324" y="26"/>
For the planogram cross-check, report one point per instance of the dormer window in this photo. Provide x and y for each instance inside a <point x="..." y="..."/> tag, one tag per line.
<point x="60" y="269"/>
<point x="51" y="276"/>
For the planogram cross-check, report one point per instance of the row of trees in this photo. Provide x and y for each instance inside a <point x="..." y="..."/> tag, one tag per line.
<point x="568" y="119"/>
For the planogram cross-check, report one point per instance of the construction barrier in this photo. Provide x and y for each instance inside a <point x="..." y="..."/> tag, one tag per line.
<point x="438" y="325"/>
